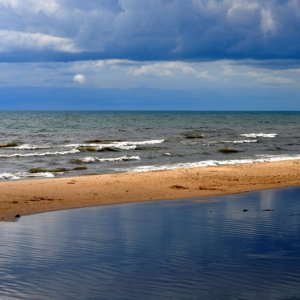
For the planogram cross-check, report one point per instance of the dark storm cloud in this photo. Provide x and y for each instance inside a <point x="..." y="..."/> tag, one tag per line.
<point x="69" y="30"/>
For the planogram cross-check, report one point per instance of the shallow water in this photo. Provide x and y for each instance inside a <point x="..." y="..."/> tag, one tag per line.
<point x="158" y="250"/>
<point x="140" y="140"/>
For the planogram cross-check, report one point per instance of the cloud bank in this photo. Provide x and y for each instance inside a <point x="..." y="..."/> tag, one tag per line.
<point x="68" y="30"/>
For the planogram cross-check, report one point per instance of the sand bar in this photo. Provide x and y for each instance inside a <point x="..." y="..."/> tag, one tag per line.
<point x="41" y="195"/>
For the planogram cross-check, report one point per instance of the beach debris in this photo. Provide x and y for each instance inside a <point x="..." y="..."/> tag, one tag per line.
<point x="17" y="216"/>
<point x="179" y="187"/>
<point x="227" y="150"/>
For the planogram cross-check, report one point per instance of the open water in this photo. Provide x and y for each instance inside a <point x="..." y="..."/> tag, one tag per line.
<point x="55" y="144"/>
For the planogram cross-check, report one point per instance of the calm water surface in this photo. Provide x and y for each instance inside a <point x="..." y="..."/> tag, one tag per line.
<point x="158" y="250"/>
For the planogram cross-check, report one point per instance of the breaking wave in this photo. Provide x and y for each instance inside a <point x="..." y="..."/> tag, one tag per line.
<point x="255" y="135"/>
<point x="214" y="163"/>
<point x="39" y="154"/>
<point x="91" y="159"/>
<point x="30" y="147"/>
<point x="126" y="145"/>
<point x="234" y="142"/>
<point x="22" y="175"/>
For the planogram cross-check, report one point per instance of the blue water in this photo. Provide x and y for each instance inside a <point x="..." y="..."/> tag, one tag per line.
<point x="108" y="142"/>
<point x="244" y="246"/>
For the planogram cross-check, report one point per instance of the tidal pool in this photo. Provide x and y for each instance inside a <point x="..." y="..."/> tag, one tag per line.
<point x="244" y="246"/>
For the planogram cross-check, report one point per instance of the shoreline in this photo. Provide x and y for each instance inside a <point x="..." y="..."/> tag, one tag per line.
<point x="26" y="197"/>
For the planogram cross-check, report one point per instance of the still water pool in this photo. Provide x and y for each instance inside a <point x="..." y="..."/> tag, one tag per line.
<point x="244" y="246"/>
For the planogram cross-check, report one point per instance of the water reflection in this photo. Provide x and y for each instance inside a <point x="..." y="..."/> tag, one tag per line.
<point x="226" y="249"/>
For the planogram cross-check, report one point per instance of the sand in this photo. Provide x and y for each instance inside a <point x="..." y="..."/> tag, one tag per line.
<point x="42" y="195"/>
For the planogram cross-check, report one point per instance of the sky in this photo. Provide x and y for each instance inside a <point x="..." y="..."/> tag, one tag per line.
<point x="150" y="54"/>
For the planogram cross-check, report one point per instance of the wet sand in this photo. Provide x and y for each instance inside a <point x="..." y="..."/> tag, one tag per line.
<point x="26" y="197"/>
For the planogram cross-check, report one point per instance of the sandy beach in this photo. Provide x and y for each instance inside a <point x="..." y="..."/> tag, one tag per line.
<point x="19" y="198"/>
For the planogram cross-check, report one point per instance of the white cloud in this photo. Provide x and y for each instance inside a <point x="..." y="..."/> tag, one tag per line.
<point x="15" y="40"/>
<point x="166" y="69"/>
<point x="79" y="78"/>
<point x="108" y="62"/>
<point x="157" y="69"/>
<point x="192" y="75"/>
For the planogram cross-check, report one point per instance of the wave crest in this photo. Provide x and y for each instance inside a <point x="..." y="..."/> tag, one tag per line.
<point x="91" y="159"/>
<point x="30" y="147"/>
<point x="214" y="163"/>
<point x="39" y="154"/>
<point x="22" y="175"/>
<point x="127" y="145"/>
<point x="261" y="134"/>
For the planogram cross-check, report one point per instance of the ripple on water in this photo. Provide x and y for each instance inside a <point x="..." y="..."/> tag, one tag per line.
<point x="162" y="250"/>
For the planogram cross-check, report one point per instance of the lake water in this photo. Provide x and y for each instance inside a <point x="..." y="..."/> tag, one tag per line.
<point x="56" y="144"/>
<point x="244" y="246"/>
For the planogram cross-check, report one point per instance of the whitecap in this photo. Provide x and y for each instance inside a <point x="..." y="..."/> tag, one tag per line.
<point x="255" y="135"/>
<point x="233" y="142"/>
<point x="30" y="147"/>
<point x="22" y="175"/>
<point x="126" y="145"/>
<point x="91" y="159"/>
<point x="211" y="163"/>
<point x="39" y="154"/>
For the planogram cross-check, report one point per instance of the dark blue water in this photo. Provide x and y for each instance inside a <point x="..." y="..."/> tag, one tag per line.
<point x="244" y="246"/>
<point x="36" y="144"/>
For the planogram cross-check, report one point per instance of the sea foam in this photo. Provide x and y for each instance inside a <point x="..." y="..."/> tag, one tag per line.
<point x="255" y="135"/>
<point x="126" y="145"/>
<point x="39" y="154"/>
<point x="214" y="163"/>
<point x="91" y="159"/>
<point x="22" y="175"/>
<point x="233" y="142"/>
<point x="30" y="147"/>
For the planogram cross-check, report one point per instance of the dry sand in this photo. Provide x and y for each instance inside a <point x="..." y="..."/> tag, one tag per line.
<point x="35" y="196"/>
